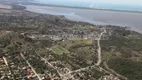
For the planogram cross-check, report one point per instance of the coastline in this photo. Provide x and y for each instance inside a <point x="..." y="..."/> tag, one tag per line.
<point x="41" y="4"/>
<point x="96" y="17"/>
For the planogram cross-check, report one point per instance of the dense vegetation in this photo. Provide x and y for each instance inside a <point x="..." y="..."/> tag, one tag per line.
<point x="124" y="54"/>
<point x="126" y="67"/>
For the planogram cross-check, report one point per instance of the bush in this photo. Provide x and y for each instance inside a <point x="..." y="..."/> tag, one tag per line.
<point x="126" y="67"/>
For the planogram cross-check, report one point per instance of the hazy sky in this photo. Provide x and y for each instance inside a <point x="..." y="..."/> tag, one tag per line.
<point x="127" y="2"/>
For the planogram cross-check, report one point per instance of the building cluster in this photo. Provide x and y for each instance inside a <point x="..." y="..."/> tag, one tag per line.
<point x="4" y="69"/>
<point x="61" y="35"/>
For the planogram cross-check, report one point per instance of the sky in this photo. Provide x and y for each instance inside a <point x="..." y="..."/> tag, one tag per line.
<point x="119" y="2"/>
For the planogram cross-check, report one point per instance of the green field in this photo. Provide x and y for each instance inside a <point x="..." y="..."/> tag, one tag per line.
<point x="71" y="43"/>
<point x="59" y="50"/>
<point x="77" y="48"/>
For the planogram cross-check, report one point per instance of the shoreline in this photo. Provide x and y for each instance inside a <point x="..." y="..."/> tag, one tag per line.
<point x="83" y="18"/>
<point x="96" y="17"/>
<point x="88" y="8"/>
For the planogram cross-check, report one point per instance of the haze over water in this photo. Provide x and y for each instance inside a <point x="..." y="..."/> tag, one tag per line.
<point x="131" y="5"/>
<point x="99" y="17"/>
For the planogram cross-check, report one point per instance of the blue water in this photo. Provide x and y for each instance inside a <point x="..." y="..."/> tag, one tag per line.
<point x="120" y="7"/>
<point x="87" y="4"/>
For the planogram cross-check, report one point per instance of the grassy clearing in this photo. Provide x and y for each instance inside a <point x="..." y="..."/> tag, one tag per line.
<point x="85" y="52"/>
<point x="81" y="52"/>
<point x="71" y="43"/>
<point x="59" y="50"/>
<point x="106" y="55"/>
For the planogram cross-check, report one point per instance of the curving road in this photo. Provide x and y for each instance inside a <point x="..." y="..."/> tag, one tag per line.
<point x="99" y="48"/>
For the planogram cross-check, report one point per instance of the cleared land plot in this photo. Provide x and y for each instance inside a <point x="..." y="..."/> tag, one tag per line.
<point x="59" y="50"/>
<point x="80" y="48"/>
<point x="72" y="43"/>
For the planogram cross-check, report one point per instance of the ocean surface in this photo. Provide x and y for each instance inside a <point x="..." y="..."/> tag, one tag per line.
<point x="97" y="17"/>
<point x="77" y="3"/>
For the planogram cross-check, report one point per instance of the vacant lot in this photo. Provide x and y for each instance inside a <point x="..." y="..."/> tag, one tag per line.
<point x="75" y="43"/>
<point x="59" y="50"/>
